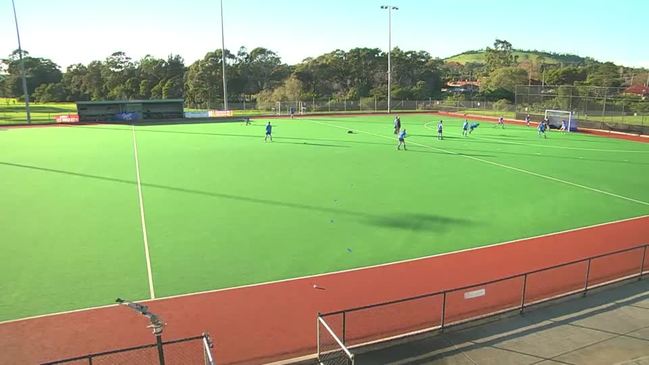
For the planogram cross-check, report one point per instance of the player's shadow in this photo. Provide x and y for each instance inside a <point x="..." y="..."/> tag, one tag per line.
<point x="312" y="144"/>
<point x="251" y="136"/>
<point x="418" y="222"/>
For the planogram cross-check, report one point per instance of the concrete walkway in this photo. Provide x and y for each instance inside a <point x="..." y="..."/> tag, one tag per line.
<point x="610" y="326"/>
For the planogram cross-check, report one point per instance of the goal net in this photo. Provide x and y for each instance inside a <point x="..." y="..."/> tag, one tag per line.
<point x="556" y="118"/>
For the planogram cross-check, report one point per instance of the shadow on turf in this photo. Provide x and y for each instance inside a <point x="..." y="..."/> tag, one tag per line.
<point x="312" y="144"/>
<point x="423" y="221"/>
<point x="418" y="222"/>
<point x="404" y="221"/>
<point x="255" y="136"/>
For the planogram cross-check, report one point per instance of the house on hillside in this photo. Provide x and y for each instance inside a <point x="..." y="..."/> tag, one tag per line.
<point x="462" y="87"/>
<point x="640" y="90"/>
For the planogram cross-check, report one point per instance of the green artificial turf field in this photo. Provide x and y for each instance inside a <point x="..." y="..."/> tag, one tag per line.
<point x="224" y="209"/>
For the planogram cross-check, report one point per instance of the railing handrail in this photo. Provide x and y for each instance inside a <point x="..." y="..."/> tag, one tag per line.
<point x="134" y="348"/>
<point x="338" y="341"/>
<point x="446" y="291"/>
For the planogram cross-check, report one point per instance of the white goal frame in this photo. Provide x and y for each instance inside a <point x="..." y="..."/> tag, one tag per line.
<point x="566" y="115"/>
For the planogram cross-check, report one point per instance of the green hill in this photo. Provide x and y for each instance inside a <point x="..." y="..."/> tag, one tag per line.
<point x="548" y="57"/>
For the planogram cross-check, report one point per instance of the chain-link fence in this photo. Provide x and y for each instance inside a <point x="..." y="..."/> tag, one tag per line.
<point x="343" y="333"/>
<point x="365" y="105"/>
<point x="608" y="108"/>
<point x="187" y="351"/>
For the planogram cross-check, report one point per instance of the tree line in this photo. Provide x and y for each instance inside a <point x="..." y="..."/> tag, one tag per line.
<point x="260" y="75"/>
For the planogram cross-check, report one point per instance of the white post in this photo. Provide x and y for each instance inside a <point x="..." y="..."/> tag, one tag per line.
<point x="389" y="56"/>
<point x="389" y="9"/>
<point x="225" y="83"/>
<point x="22" y="67"/>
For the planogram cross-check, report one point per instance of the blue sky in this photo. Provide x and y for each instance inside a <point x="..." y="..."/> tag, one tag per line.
<point x="71" y="31"/>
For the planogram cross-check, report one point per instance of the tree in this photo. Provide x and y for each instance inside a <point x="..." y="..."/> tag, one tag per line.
<point x="38" y="71"/>
<point x="565" y="75"/>
<point x="45" y="93"/>
<point x="203" y="86"/>
<point x="499" y="56"/>
<point x="502" y="82"/>
<point x="73" y="83"/>
<point x="119" y="75"/>
<point x="173" y="89"/>
<point x="258" y="70"/>
<point x="605" y="74"/>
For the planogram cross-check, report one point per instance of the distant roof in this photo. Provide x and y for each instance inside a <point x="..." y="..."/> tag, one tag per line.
<point x="463" y="83"/>
<point x="106" y="102"/>
<point x="637" y="89"/>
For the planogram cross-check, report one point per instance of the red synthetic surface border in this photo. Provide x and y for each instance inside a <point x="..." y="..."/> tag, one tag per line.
<point x="276" y="321"/>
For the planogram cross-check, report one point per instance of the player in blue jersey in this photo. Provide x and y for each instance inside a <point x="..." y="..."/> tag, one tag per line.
<point x="440" y="130"/>
<point x="269" y="132"/>
<point x="542" y="127"/>
<point x="402" y="140"/>
<point x="473" y="126"/>
<point x="465" y="128"/>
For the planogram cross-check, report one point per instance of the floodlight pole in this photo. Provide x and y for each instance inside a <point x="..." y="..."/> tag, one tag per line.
<point x="22" y="66"/>
<point x="389" y="8"/>
<point x="225" y="83"/>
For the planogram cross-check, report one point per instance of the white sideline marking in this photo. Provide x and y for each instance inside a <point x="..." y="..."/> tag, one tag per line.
<point x="335" y="272"/>
<point x="144" y="233"/>
<point x="496" y="164"/>
<point x="558" y="147"/>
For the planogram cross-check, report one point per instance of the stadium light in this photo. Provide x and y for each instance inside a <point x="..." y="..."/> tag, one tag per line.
<point x="22" y="66"/>
<point x="225" y="83"/>
<point x="389" y="8"/>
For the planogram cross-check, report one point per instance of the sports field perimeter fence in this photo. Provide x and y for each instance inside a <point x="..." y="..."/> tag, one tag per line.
<point x="341" y="333"/>
<point x="607" y="108"/>
<point x="362" y="105"/>
<point x="195" y="350"/>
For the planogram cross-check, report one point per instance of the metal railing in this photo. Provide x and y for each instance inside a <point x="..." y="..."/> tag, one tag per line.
<point x="380" y="322"/>
<point x="186" y="351"/>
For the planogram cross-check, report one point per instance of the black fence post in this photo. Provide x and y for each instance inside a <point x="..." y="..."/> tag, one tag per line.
<point x="344" y="328"/>
<point x="523" y="294"/>
<point x="443" y="312"/>
<point x="644" y="255"/>
<point x="161" y="355"/>
<point x="587" y="277"/>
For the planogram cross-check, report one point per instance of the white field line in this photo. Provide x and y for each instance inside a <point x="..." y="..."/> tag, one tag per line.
<point x="339" y="271"/>
<point x="497" y="164"/>
<point x="144" y="232"/>
<point x="556" y="147"/>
